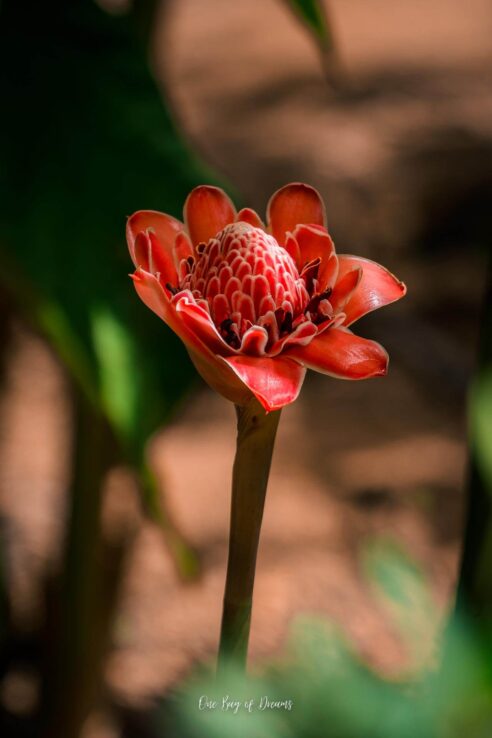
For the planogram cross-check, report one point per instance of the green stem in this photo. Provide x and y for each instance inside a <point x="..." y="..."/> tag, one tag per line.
<point x="256" y="432"/>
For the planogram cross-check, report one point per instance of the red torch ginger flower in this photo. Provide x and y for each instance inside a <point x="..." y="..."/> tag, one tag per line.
<point x="258" y="306"/>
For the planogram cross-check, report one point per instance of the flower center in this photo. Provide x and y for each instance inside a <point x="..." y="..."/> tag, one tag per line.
<point x="247" y="279"/>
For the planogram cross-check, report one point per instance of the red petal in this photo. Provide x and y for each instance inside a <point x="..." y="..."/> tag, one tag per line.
<point x="152" y="258"/>
<point x="183" y="248"/>
<point x="212" y="368"/>
<point x="314" y="242"/>
<point x="301" y="336"/>
<point x="259" y="290"/>
<point x="292" y="248"/>
<point x="269" y="322"/>
<point x="254" y="341"/>
<point x="292" y="205"/>
<point x="345" y="288"/>
<point x="162" y="262"/>
<point x="377" y="287"/>
<point x="247" y="215"/>
<point x="221" y="378"/>
<point x="142" y="251"/>
<point x="274" y="382"/>
<point x="341" y="354"/>
<point x="220" y="308"/>
<point x="244" y="305"/>
<point x="207" y="211"/>
<point x="152" y="293"/>
<point x="198" y="322"/>
<point x="164" y="226"/>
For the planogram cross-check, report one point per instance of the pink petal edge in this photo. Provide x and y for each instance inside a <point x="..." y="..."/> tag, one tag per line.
<point x="164" y="226"/>
<point x="207" y="210"/>
<point x="292" y="205"/>
<point x="199" y="323"/>
<point x="152" y="294"/>
<point x="340" y="353"/>
<point x="314" y="241"/>
<point x="274" y="382"/>
<point x="248" y="215"/>
<point x="377" y="287"/>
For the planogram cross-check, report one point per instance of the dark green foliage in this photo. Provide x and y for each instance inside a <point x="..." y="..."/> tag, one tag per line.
<point x="85" y="140"/>
<point x="475" y="583"/>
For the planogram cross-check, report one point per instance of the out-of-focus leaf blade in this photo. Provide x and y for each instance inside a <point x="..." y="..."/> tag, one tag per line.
<point x="404" y="592"/>
<point x="87" y="141"/>
<point x="313" y="15"/>
<point x="481" y="423"/>
<point x="117" y="356"/>
<point x="474" y="599"/>
<point x="480" y="406"/>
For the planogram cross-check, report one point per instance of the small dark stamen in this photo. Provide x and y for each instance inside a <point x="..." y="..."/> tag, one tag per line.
<point x="226" y="324"/>
<point x="201" y="247"/>
<point x="287" y="323"/>
<point x="312" y="264"/>
<point x="279" y="316"/>
<point x="229" y="333"/>
<point x="313" y="304"/>
<point x="233" y="340"/>
<point x="172" y="290"/>
<point x="310" y="273"/>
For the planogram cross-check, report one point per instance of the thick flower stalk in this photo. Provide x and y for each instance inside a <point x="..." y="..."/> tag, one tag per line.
<point x="256" y="306"/>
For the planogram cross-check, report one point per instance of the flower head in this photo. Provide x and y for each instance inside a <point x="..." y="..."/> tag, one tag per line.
<point x="256" y="306"/>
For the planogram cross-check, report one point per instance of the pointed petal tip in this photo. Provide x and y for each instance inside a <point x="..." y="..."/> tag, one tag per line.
<point x="161" y="229"/>
<point x="294" y="204"/>
<point x="296" y="188"/>
<point x="340" y="353"/>
<point x="382" y="370"/>
<point x="248" y="215"/>
<point x="139" y="274"/>
<point x="377" y="288"/>
<point x="207" y="210"/>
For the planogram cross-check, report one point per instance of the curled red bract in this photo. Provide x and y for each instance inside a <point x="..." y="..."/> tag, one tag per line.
<point x="256" y="306"/>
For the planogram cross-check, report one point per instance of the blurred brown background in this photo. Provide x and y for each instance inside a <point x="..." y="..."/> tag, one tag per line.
<point x="402" y="154"/>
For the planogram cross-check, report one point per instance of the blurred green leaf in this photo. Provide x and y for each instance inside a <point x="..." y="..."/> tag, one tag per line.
<point x="481" y="422"/>
<point x="87" y="141"/>
<point x="401" y="586"/>
<point x="226" y="706"/>
<point x="117" y="356"/>
<point x="474" y="600"/>
<point x="334" y="693"/>
<point x="480" y="404"/>
<point x="313" y="15"/>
